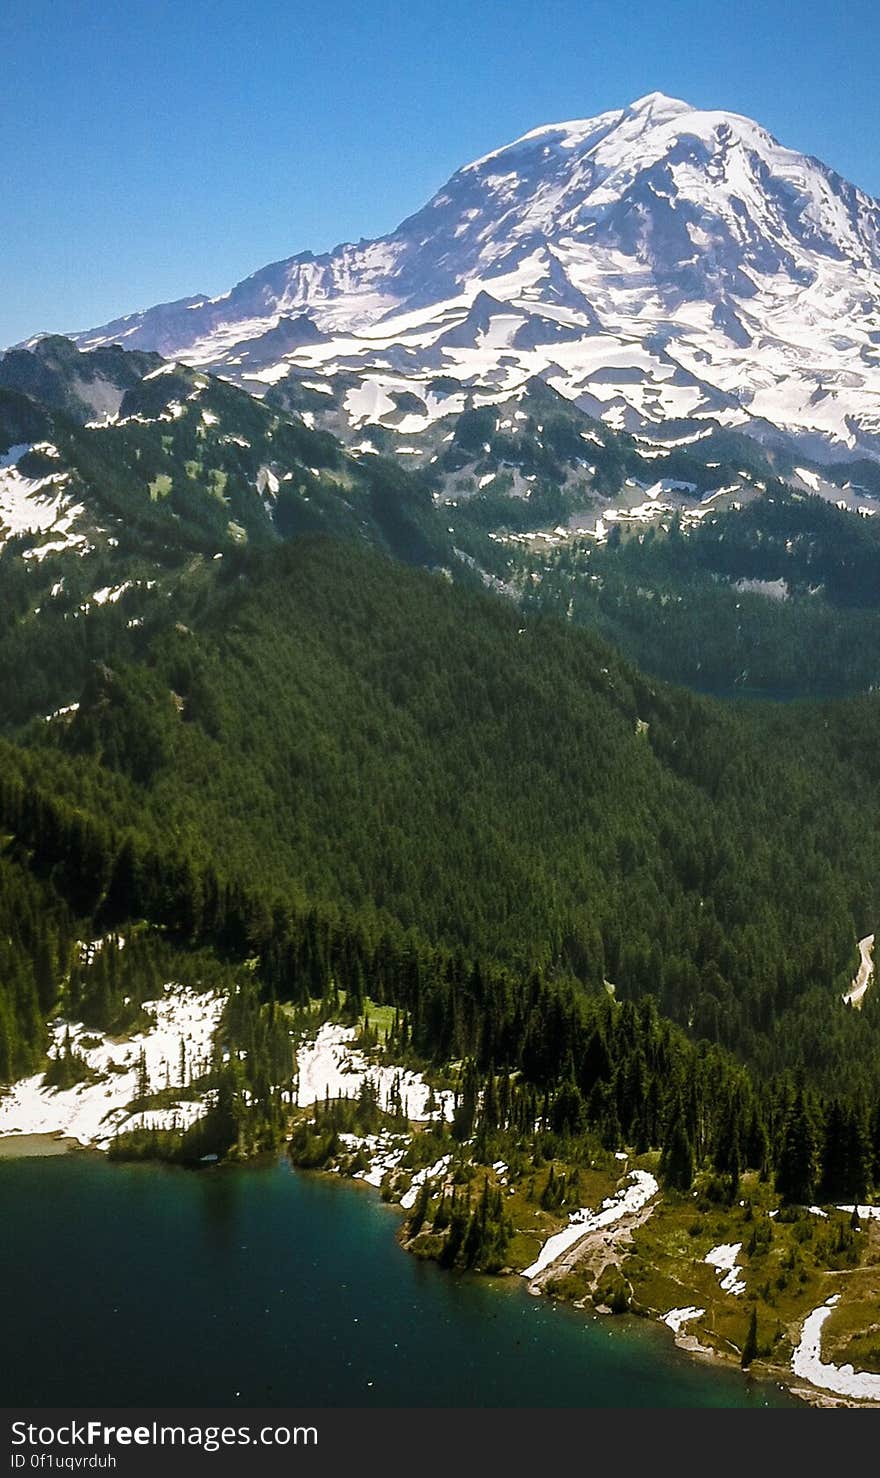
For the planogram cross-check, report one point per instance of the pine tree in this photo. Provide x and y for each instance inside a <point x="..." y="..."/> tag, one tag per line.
<point x="419" y="1211"/>
<point x="143" y="1079"/>
<point x="750" y="1348"/>
<point x="796" y="1169"/>
<point x="835" y="1146"/>
<point x="677" y="1159"/>
<point x="466" y="1106"/>
<point x="858" y="1154"/>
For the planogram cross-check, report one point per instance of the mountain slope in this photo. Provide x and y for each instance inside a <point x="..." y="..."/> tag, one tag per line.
<point x="327" y="727"/>
<point x="321" y="726"/>
<point x="132" y="476"/>
<point x="654" y="262"/>
<point x="103" y="517"/>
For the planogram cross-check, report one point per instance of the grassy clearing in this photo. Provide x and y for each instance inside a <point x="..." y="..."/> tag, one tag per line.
<point x="380" y="1018"/>
<point x="790" y="1264"/>
<point x="852" y="1333"/>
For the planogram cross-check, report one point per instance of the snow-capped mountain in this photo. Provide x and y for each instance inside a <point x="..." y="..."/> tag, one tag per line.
<point x="657" y="263"/>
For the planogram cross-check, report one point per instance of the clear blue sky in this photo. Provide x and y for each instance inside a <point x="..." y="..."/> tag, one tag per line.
<point x="153" y="149"/>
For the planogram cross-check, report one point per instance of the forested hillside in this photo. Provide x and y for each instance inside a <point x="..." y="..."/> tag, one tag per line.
<point x="102" y="520"/>
<point x="779" y="598"/>
<point x="233" y="720"/>
<point x="330" y="729"/>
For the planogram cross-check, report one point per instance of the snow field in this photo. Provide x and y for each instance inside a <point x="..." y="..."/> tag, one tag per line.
<point x="807" y="1362"/>
<point x="331" y="1066"/>
<point x="93" y="1112"/>
<point x="637" y="1193"/>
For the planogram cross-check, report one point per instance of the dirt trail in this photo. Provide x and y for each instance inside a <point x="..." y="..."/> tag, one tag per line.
<point x="865" y="974"/>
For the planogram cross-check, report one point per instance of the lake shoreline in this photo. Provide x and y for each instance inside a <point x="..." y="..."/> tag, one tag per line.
<point x="316" y="1305"/>
<point x="39" y="1146"/>
<point x="511" y="1281"/>
<point x="54" y="1146"/>
<point x="330" y="1064"/>
<point x="760" y="1373"/>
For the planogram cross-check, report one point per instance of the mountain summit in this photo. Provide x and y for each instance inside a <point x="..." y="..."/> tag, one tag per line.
<point x="655" y="262"/>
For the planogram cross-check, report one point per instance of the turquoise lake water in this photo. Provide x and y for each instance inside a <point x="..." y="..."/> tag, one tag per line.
<point x="258" y="1286"/>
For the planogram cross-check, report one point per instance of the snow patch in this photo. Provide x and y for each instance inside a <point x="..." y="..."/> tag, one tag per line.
<point x="368" y="402"/>
<point x="408" y="1199"/>
<point x="108" y="594"/>
<point x="807" y="1362"/>
<point x="723" y="1259"/>
<point x="331" y="1067"/>
<point x="866" y="1213"/>
<point x="93" y="1112"/>
<point x="677" y="1317"/>
<point x="267" y="482"/>
<point x="642" y="1186"/>
<point x="35" y="505"/>
<point x="865" y="973"/>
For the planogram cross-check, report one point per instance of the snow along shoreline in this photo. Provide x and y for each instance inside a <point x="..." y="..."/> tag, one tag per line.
<point x="629" y="1199"/>
<point x="677" y="1318"/>
<point x="330" y="1067"/>
<point x="93" y="1112"/>
<point x="842" y="1380"/>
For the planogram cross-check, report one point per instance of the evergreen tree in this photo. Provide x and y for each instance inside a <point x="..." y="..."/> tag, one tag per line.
<point x="750" y="1347"/>
<point x="419" y="1211"/>
<point x="796" y="1167"/>
<point x="677" y="1159"/>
